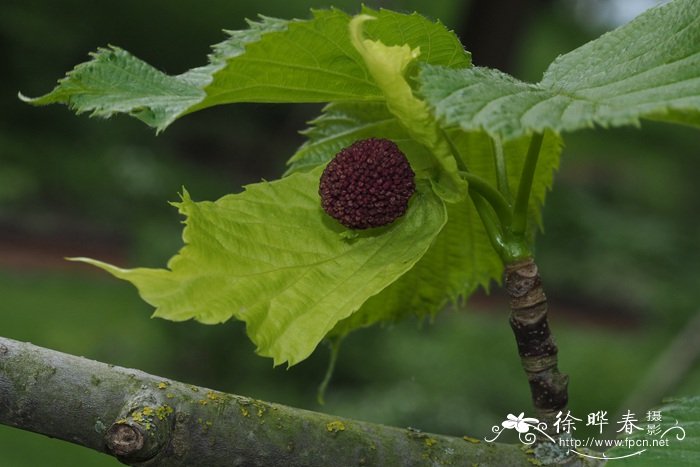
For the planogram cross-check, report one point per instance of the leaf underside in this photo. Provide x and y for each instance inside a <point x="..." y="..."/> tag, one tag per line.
<point x="649" y="68"/>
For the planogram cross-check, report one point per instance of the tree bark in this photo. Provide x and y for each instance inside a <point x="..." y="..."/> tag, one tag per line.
<point x="148" y="420"/>
<point x="536" y="346"/>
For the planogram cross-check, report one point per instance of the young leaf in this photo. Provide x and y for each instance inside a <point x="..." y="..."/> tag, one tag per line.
<point x="681" y="417"/>
<point x="649" y="68"/>
<point x="270" y="257"/>
<point x="273" y="61"/>
<point x="388" y="65"/>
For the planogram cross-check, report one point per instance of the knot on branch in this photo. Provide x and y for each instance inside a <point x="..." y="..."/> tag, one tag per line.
<point x="124" y="440"/>
<point x="142" y="431"/>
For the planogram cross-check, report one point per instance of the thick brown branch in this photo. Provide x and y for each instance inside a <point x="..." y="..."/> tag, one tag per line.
<point x="536" y="346"/>
<point x="148" y="420"/>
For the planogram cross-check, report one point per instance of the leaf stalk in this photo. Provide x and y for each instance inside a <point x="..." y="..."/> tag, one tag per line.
<point x="493" y="229"/>
<point x="501" y="169"/>
<point x="334" y="345"/>
<point x="522" y="200"/>
<point x="500" y="205"/>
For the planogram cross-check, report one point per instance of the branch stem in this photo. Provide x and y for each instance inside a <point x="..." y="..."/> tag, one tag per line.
<point x="536" y="346"/>
<point x="171" y="423"/>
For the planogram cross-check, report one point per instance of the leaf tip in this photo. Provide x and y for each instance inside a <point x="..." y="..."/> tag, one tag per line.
<point x="185" y="195"/>
<point x="114" y="270"/>
<point x="23" y="98"/>
<point x="355" y="29"/>
<point x="278" y="360"/>
<point x="83" y="259"/>
<point x="185" y="201"/>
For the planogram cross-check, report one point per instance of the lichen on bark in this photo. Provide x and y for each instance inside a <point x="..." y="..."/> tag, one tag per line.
<point x="56" y="394"/>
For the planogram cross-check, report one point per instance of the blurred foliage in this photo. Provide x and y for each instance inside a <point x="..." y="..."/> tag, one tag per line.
<point x="619" y="258"/>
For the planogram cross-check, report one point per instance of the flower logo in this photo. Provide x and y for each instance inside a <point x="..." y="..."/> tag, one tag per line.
<point x="521" y="423"/>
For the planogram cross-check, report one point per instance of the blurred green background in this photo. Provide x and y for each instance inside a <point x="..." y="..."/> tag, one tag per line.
<point x="619" y="256"/>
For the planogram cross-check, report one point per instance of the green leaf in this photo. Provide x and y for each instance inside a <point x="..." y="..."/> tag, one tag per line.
<point x="273" y="61"/>
<point x="341" y="124"/>
<point x="114" y="81"/>
<point x="649" y="68"/>
<point x="314" y="61"/>
<point x="681" y="417"/>
<point x="270" y="257"/>
<point x="461" y="258"/>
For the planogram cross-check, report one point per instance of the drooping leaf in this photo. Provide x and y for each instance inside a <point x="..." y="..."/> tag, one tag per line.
<point x="649" y="68"/>
<point x="270" y="257"/>
<point x="273" y="61"/>
<point x="678" y="431"/>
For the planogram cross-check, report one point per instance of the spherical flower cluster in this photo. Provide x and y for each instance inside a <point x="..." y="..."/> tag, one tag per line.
<point x="368" y="184"/>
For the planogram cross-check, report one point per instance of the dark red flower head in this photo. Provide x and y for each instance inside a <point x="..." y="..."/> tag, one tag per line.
<point x="368" y="184"/>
